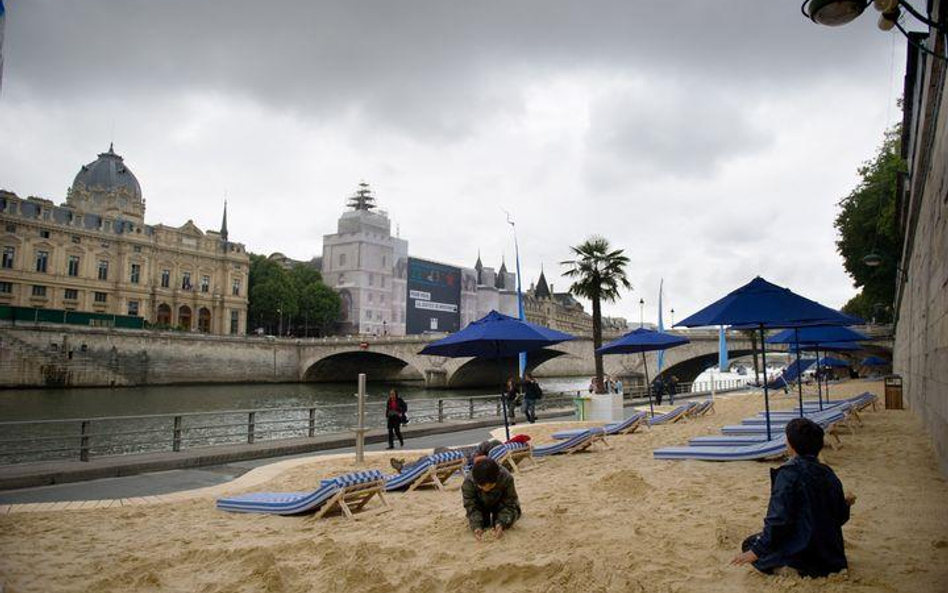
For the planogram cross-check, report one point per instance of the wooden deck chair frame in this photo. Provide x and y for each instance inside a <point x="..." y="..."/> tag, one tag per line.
<point x="579" y="446"/>
<point x="600" y="439"/>
<point x="438" y="474"/>
<point x="642" y="421"/>
<point x="351" y="499"/>
<point x="515" y="459"/>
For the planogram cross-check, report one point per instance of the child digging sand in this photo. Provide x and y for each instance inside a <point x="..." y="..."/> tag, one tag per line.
<point x="807" y="510"/>
<point x="490" y="498"/>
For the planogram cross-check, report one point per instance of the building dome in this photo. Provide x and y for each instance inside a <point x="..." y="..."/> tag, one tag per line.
<point x="108" y="173"/>
<point x="106" y="186"/>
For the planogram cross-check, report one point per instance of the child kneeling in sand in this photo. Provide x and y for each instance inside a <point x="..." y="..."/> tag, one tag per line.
<point x="803" y="526"/>
<point x="490" y="498"/>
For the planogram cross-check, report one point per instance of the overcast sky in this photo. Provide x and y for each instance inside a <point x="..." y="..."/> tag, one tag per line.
<point x="709" y="140"/>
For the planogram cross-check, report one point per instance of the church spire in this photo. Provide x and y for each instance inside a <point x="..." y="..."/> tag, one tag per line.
<point x="224" y="223"/>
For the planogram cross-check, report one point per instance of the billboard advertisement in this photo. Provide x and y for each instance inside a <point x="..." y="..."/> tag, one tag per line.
<point x="434" y="297"/>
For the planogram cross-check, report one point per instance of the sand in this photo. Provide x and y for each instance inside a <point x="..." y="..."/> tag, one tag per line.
<point x="600" y="522"/>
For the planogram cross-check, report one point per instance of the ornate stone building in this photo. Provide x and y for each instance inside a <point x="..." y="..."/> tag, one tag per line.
<point x="95" y="253"/>
<point x="561" y="311"/>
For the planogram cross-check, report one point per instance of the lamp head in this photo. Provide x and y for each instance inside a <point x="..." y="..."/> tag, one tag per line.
<point x="834" y="13"/>
<point x="873" y="260"/>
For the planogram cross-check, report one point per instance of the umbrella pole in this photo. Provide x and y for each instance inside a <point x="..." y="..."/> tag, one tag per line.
<point x="763" y="356"/>
<point x="828" y="384"/>
<point x="796" y="341"/>
<point x="819" y="380"/>
<point x="503" y="392"/>
<point x="648" y="386"/>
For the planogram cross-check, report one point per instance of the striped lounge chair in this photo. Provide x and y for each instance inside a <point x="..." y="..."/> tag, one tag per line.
<point x="432" y="470"/>
<point x="597" y="435"/>
<point x="701" y="408"/>
<point x="679" y="413"/>
<point x="513" y="455"/>
<point x="725" y="440"/>
<point x="348" y="493"/>
<point x="569" y="446"/>
<point x="772" y="449"/>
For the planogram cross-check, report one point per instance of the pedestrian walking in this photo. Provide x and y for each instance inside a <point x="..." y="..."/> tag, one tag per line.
<point x="531" y="395"/>
<point x="395" y="416"/>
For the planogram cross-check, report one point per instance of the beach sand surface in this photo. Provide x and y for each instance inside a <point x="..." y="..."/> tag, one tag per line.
<point x="603" y="521"/>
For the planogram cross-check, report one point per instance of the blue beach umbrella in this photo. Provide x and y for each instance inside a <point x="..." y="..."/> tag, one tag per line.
<point x="761" y="304"/>
<point x="496" y="336"/>
<point x="874" y="361"/>
<point x="643" y="340"/>
<point x="816" y="338"/>
<point x="829" y="361"/>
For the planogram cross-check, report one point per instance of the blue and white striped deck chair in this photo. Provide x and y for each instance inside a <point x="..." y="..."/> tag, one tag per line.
<point x="701" y="408"/>
<point x="569" y="446"/>
<point x="629" y="425"/>
<point x="726" y="440"/>
<point x="673" y="416"/>
<point x="348" y="492"/>
<point x="597" y="435"/>
<point x="824" y="420"/>
<point x="513" y="455"/>
<point x="772" y="449"/>
<point x="435" y="469"/>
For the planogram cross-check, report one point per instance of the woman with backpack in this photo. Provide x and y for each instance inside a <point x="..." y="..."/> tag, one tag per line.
<point x="395" y="409"/>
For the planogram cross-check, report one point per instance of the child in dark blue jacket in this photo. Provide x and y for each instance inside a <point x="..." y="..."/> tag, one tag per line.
<point x="807" y="510"/>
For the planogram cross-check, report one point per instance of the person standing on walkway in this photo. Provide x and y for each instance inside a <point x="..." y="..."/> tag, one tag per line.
<point x="510" y="399"/>
<point x="672" y="389"/>
<point x="395" y="409"/>
<point x="531" y="394"/>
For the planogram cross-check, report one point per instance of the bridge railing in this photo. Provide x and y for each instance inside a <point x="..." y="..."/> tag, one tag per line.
<point x="85" y="438"/>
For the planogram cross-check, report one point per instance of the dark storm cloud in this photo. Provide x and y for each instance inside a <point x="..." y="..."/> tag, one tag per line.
<point x="431" y="68"/>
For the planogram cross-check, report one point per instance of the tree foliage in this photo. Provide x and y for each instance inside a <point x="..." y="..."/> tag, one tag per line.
<point x="294" y="301"/>
<point x="868" y="223"/>
<point x="598" y="274"/>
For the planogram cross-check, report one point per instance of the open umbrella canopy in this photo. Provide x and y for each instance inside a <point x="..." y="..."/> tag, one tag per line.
<point x="827" y="347"/>
<point x="875" y="361"/>
<point x="642" y="340"/>
<point x="829" y="361"/>
<point x="761" y="303"/>
<point x="496" y="336"/>
<point x="821" y="334"/>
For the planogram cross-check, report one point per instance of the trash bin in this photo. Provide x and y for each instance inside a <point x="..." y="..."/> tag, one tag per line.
<point x="893" y="392"/>
<point x="582" y="407"/>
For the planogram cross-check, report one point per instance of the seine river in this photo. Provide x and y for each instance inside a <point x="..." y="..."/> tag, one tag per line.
<point x="223" y="414"/>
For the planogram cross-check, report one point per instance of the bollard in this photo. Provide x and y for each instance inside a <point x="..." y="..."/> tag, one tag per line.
<point x="312" y="422"/>
<point x="250" y="427"/>
<point x="176" y="435"/>
<point x="84" y="441"/>
<point x="440" y="410"/>
<point x="470" y="413"/>
<point x="360" y="428"/>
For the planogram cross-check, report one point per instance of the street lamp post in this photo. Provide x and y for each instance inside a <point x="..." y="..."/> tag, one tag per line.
<point x="673" y="317"/>
<point x="641" y="312"/>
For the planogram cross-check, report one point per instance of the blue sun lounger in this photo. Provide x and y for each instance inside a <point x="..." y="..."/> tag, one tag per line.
<point x="701" y="408"/>
<point x="348" y="492"/>
<point x="627" y="426"/>
<point x="826" y="419"/>
<point x="725" y="440"/>
<point x="672" y="416"/>
<point x="772" y="449"/>
<point x="511" y="455"/>
<point x="432" y="470"/>
<point x="569" y="446"/>
<point x="597" y="435"/>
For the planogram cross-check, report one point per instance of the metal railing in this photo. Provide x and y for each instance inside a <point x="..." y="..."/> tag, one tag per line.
<point x="84" y="438"/>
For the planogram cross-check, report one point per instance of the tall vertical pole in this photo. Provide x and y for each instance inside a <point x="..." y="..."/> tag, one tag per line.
<point x="819" y="381"/>
<point x="763" y="355"/>
<point x="360" y="428"/>
<point x="522" y="356"/>
<point x="796" y="342"/>
<point x="648" y="385"/>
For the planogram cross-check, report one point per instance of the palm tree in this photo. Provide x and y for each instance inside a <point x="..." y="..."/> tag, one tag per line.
<point x="752" y="334"/>
<point x="598" y="273"/>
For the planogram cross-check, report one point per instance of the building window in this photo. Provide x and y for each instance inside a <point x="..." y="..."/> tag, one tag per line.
<point x="44" y="234"/>
<point x="382" y="281"/>
<point x="235" y="288"/>
<point x="133" y="308"/>
<point x="8" y="254"/>
<point x="6" y="287"/>
<point x="186" y="281"/>
<point x="205" y="283"/>
<point x="342" y="259"/>
<point x="76" y="240"/>
<point x="101" y="297"/>
<point x="42" y="260"/>
<point x="71" y="294"/>
<point x="165" y="278"/>
<point x="39" y="291"/>
<point x="73" y="267"/>
<point x="234" y="321"/>
<point x="371" y="279"/>
<point x="103" y="269"/>
<point x="371" y="297"/>
<point x="136" y="274"/>
<point x="137" y="248"/>
<point x="383" y="262"/>
<point x="11" y="228"/>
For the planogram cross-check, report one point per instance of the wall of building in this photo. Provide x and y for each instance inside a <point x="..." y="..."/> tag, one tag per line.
<point x="921" y="335"/>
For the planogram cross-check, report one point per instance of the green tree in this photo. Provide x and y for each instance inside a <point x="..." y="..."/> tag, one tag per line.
<point x="868" y="223"/>
<point x="598" y="273"/>
<point x="290" y="301"/>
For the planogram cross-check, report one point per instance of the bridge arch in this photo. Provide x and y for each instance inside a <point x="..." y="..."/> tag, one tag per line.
<point x="687" y="370"/>
<point x="481" y="372"/>
<point x="343" y="366"/>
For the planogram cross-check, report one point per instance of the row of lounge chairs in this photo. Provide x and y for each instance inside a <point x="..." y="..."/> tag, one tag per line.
<point x="349" y="493"/>
<point x="748" y="440"/>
